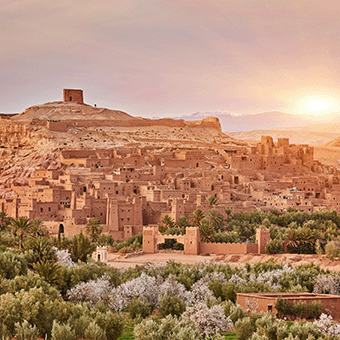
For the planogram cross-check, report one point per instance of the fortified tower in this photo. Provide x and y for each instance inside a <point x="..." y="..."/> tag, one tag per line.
<point x="72" y="95"/>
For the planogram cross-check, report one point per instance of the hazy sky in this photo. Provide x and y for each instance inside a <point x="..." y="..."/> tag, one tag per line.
<point x="171" y="57"/>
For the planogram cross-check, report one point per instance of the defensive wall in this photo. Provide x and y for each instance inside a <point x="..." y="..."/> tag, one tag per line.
<point x="193" y="246"/>
<point x="209" y="122"/>
<point x="266" y="301"/>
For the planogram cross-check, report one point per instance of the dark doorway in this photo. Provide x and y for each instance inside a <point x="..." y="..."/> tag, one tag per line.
<point x="61" y="228"/>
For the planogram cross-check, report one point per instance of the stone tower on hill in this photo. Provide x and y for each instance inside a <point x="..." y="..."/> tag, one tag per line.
<point x="75" y="96"/>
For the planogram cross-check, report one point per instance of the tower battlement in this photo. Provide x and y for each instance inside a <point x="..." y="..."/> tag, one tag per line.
<point x="72" y="95"/>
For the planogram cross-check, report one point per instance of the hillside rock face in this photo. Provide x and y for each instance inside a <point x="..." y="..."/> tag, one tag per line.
<point x="60" y="116"/>
<point x="69" y="111"/>
<point x="36" y="137"/>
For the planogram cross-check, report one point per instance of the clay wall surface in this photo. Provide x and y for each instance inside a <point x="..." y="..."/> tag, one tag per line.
<point x="56" y="126"/>
<point x="228" y="248"/>
<point x="266" y="301"/>
<point x="73" y="95"/>
<point x="144" y="122"/>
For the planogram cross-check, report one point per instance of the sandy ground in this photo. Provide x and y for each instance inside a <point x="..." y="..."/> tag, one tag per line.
<point x="131" y="260"/>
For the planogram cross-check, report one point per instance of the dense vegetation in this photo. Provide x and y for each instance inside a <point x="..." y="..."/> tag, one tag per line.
<point x="304" y="233"/>
<point x="51" y="287"/>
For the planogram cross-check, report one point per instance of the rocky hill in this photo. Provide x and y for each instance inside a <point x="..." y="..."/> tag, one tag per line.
<point x="69" y="111"/>
<point x="36" y="137"/>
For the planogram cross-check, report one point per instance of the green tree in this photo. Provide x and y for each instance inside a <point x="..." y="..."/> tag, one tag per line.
<point x="50" y="271"/>
<point x="41" y="248"/>
<point x="81" y="247"/>
<point x="215" y="219"/>
<point x="93" y="229"/>
<point x="4" y="220"/>
<point x="212" y="200"/>
<point x="196" y="217"/>
<point x="168" y="221"/>
<point x="206" y="230"/>
<point x="38" y="228"/>
<point x="22" y="226"/>
<point x="182" y="222"/>
<point x="228" y="213"/>
<point x="171" y="305"/>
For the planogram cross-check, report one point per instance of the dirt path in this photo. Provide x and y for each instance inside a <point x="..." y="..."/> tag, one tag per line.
<point x="131" y="260"/>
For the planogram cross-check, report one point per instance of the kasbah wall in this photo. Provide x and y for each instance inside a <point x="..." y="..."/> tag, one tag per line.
<point x="265" y="302"/>
<point x="192" y="245"/>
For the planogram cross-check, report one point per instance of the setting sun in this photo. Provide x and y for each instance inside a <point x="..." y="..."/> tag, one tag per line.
<point x="318" y="105"/>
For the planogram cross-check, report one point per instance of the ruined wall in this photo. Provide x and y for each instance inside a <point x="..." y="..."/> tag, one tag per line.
<point x="144" y="122"/>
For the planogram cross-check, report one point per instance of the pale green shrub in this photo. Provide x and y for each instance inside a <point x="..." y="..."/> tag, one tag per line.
<point x="26" y="331"/>
<point x="62" y="332"/>
<point x="94" y="332"/>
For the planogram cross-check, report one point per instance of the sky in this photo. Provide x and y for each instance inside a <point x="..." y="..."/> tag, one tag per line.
<point x="166" y="58"/>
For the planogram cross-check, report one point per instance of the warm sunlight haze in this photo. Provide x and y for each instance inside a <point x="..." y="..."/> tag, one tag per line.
<point x="317" y="105"/>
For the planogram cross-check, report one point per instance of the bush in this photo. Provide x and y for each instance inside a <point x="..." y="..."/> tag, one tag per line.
<point x="34" y="305"/>
<point x="304" y="331"/>
<point x="125" y="250"/>
<point x="234" y="312"/>
<point x="299" y="308"/>
<point x="171" y="305"/>
<point x="282" y="306"/>
<point x="13" y="264"/>
<point x="79" y="324"/>
<point x="314" y="309"/>
<point x="139" y="307"/>
<point x="167" y="328"/>
<point x="274" y="247"/>
<point x="62" y="332"/>
<point x="208" y="321"/>
<point x="332" y="250"/>
<point x="25" y="331"/>
<point x="4" y="333"/>
<point x="112" y="324"/>
<point x="225" y="291"/>
<point x="267" y="325"/>
<point x="244" y="328"/>
<point x="94" y="332"/>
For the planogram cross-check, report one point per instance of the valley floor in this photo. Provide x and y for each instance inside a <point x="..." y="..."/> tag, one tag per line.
<point x="239" y="260"/>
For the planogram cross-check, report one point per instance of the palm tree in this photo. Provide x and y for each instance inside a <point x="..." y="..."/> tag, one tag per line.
<point x="212" y="200"/>
<point x="38" y="228"/>
<point x="81" y="247"/>
<point x="215" y="219"/>
<point x="228" y="212"/>
<point x="182" y="222"/>
<point x="196" y="217"/>
<point x="206" y="230"/>
<point x="168" y="221"/>
<point x="4" y="220"/>
<point x="22" y="226"/>
<point x="93" y="229"/>
<point x="51" y="272"/>
<point x="41" y="248"/>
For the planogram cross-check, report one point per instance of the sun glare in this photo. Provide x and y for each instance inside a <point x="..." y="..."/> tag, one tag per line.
<point x="318" y="105"/>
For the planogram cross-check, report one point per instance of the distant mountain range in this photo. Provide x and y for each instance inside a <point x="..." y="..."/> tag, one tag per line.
<point x="264" y="121"/>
